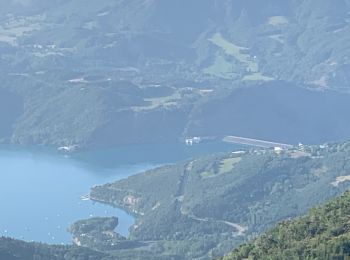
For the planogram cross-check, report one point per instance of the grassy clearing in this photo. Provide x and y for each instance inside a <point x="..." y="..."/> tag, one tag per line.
<point x="206" y="175"/>
<point x="236" y="51"/>
<point x="277" y="37"/>
<point x="15" y="28"/>
<point x="277" y="20"/>
<point x="225" y="69"/>
<point x="7" y="39"/>
<point x="221" y="68"/>
<point x="227" y="165"/>
<point x="230" y="48"/>
<point x="153" y="103"/>
<point x="257" y="77"/>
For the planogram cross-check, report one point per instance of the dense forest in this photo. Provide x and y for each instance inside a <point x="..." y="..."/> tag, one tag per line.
<point x="324" y="233"/>
<point x="11" y="249"/>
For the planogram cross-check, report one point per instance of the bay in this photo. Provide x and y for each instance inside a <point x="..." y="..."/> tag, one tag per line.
<point x="41" y="189"/>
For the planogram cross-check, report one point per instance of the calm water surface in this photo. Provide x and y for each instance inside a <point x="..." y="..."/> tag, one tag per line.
<point x="40" y="189"/>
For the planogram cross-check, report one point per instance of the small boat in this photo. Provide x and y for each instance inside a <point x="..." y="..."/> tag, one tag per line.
<point x="85" y="197"/>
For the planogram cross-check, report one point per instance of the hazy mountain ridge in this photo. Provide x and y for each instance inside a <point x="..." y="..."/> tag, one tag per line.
<point x="106" y="73"/>
<point x="58" y="53"/>
<point x="149" y="35"/>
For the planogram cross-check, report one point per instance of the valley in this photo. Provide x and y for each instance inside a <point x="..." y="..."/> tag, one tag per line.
<point x="113" y="115"/>
<point x="143" y="74"/>
<point x="29" y="172"/>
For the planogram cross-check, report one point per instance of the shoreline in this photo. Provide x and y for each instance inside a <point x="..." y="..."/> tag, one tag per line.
<point x="80" y="171"/>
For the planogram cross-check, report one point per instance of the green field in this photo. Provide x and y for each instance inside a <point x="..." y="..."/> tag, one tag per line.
<point x="228" y="164"/>
<point x="224" y="68"/>
<point x="277" y="20"/>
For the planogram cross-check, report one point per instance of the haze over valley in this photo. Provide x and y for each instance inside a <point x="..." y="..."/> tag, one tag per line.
<point x="163" y="129"/>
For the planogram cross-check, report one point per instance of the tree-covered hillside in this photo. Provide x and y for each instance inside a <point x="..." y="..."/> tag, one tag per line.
<point x="11" y="249"/>
<point x="94" y="73"/>
<point x="205" y="207"/>
<point x="322" y="234"/>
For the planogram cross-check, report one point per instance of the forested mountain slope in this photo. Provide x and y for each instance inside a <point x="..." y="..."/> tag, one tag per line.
<point x="322" y="234"/>
<point x="11" y="249"/>
<point x="202" y="208"/>
<point x="93" y="73"/>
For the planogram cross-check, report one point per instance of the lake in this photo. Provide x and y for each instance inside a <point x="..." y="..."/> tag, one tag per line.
<point x="41" y="189"/>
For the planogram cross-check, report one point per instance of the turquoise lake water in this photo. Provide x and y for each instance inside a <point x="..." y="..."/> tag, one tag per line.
<point x="40" y="189"/>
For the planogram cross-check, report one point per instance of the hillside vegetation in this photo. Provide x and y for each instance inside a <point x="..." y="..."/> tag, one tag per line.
<point x="11" y="249"/>
<point x="322" y="234"/>
<point x="205" y="207"/>
<point x="94" y="73"/>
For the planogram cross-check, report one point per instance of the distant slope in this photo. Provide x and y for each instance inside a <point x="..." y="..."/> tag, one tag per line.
<point x="322" y="234"/>
<point x="94" y="73"/>
<point x="11" y="108"/>
<point x="275" y="111"/>
<point x="11" y="249"/>
<point x="206" y="207"/>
